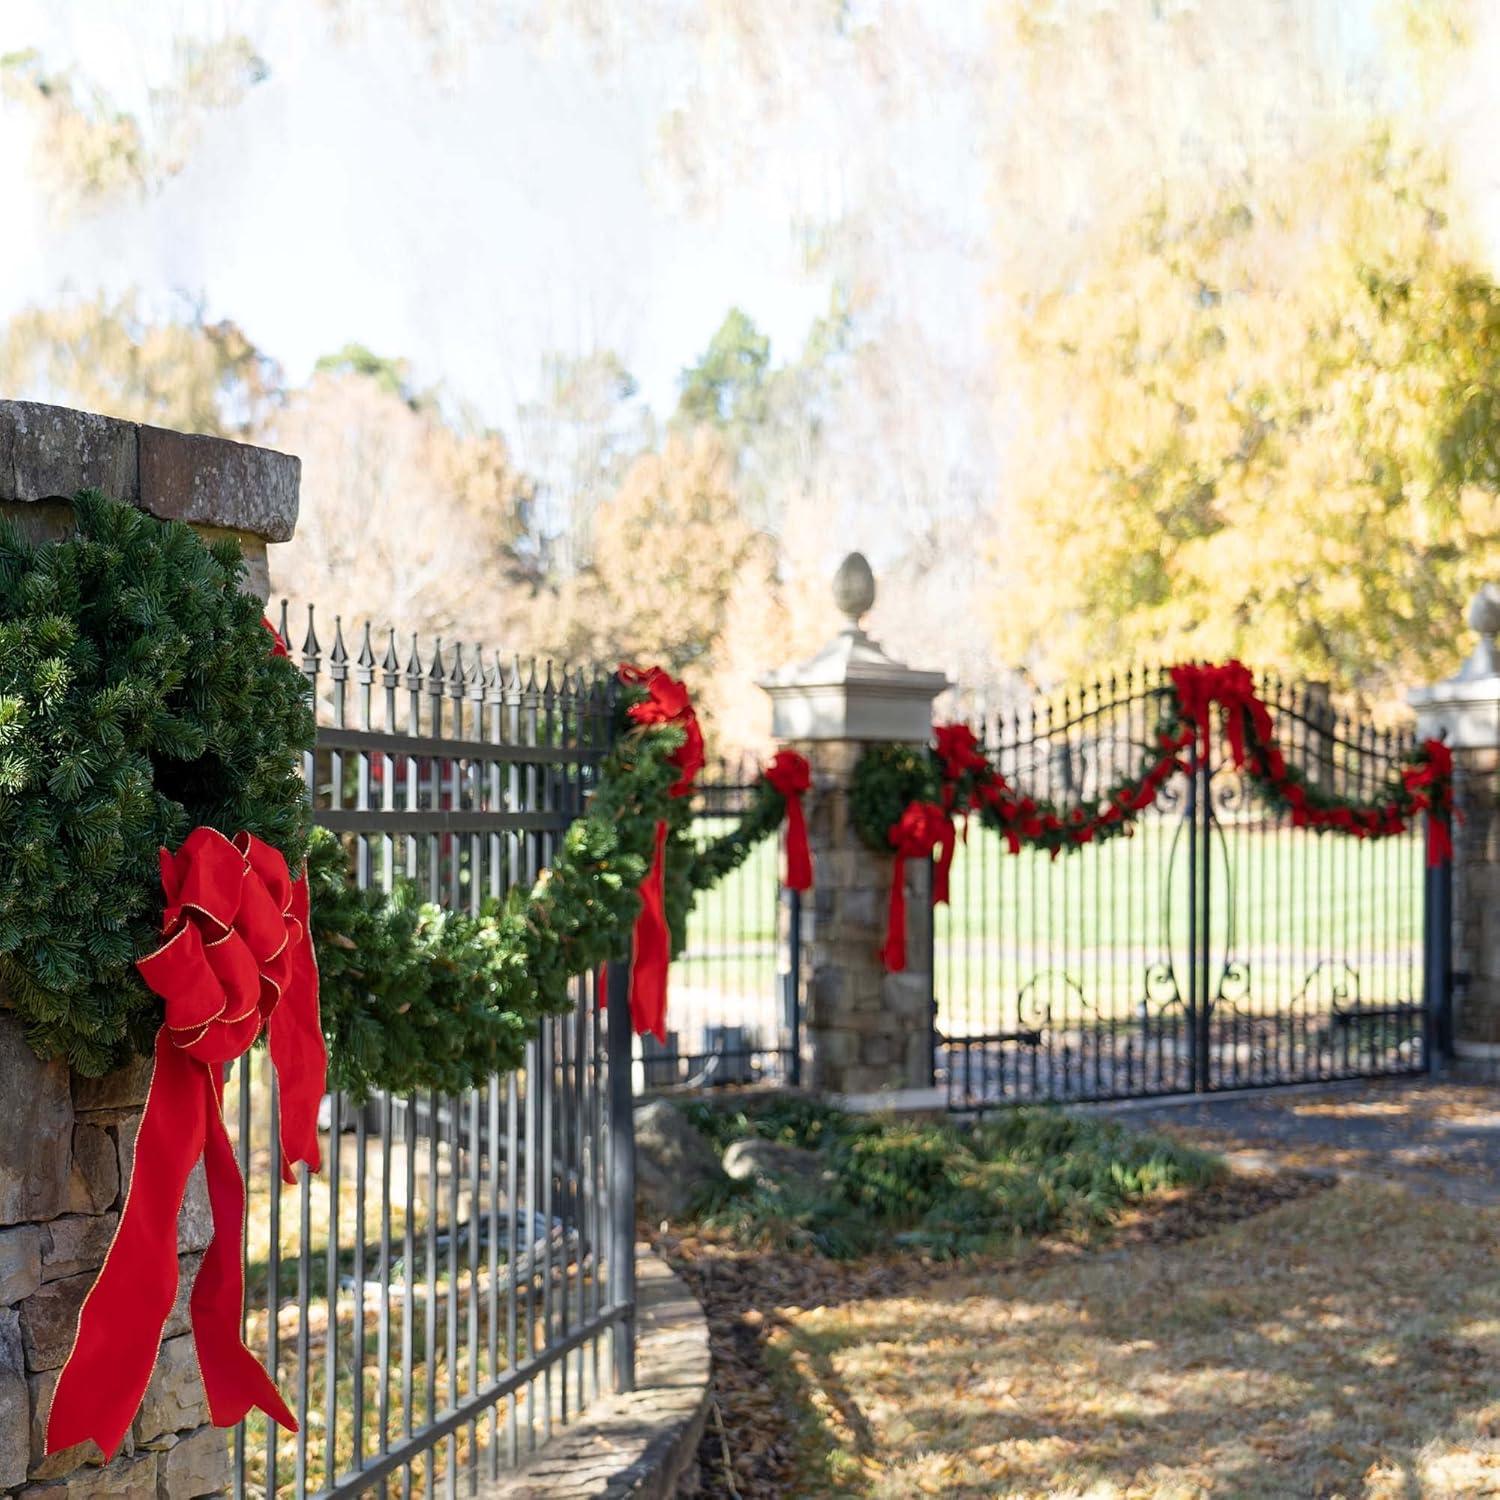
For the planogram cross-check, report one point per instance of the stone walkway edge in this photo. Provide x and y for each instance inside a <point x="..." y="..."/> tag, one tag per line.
<point x="643" y="1445"/>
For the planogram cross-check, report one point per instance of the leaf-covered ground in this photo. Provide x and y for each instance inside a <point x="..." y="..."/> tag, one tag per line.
<point x="1262" y="1336"/>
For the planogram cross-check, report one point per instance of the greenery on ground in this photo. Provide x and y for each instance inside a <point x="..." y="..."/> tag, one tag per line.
<point x="940" y="1189"/>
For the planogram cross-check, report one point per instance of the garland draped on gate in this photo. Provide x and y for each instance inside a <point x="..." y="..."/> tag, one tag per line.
<point x="904" y="800"/>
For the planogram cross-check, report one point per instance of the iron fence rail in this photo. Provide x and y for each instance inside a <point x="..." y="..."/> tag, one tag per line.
<point x="440" y="1298"/>
<point x="734" y="1017"/>
<point x="1218" y="947"/>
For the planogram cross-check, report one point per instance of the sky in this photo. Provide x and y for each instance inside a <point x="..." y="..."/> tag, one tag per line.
<point x="471" y="219"/>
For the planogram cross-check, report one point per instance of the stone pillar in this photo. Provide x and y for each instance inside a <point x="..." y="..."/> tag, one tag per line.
<point x="1465" y="710"/>
<point x="67" y="1143"/>
<point x="864" y="1030"/>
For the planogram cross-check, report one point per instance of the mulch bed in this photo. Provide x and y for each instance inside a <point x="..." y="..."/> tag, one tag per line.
<point x="749" y="1448"/>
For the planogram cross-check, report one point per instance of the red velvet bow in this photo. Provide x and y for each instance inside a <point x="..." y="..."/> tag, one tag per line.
<point x="958" y="748"/>
<point x="923" y="829"/>
<point x="667" y="701"/>
<point x="1232" y="685"/>
<point x="237" y="957"/>
<point x="790" y="775"/>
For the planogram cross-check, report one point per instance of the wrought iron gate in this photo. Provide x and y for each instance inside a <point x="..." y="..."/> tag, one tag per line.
<point x="1218" y="947"/>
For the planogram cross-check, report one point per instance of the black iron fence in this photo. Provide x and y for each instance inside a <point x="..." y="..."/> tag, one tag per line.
<point x="1218" y="947"/>
<point x="459" y="1281"/>
<point x="732" y="1015"/>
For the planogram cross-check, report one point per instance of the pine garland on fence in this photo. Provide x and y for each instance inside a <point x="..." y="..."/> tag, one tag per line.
<point x="138" y="699"/>
<point x="955" y="774"/>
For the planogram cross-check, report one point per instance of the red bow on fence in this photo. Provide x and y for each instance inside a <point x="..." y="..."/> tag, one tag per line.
<point x="923" y="829"/>
<point x="238" y="957"/>
<point x="790" y="775"/>
<point x="667" y="701"/>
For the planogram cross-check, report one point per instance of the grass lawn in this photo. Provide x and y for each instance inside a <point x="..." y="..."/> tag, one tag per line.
<point x="1313" y="919"/>
<point x="1346" y="1343"/>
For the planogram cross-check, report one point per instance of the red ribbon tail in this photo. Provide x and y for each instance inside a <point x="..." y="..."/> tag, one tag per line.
<point x="119" y="1327"/>
<point x="1439" y="841"/>
<point x="297" y="1048"/>
<point x="233" y="1379"/>
<point x="651" y="948"/>
<point x="799" y="870"/>
<point x="893" y="953"/>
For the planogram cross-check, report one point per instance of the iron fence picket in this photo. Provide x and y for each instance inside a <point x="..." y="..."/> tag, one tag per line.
<point x="421" y="1333"/>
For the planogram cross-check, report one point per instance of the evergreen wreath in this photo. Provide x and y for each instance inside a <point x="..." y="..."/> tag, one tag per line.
<point x="138" y="700"/>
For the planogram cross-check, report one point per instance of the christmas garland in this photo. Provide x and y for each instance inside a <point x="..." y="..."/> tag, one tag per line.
<point x="416" y="997"/>
<point x="903" y="800"/>
<point x="154" y="894"/>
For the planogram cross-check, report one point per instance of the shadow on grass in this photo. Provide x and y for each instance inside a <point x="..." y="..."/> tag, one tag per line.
<point x="1344" y="1344"/>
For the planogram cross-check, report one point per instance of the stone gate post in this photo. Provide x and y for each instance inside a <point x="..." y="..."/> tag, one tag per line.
<point x="864" y="1029"/>
<point x="66" y="1142"/>
<point x="1465" y="710"/>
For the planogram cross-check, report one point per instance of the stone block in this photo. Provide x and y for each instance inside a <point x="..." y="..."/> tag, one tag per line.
<point x="197" y="1465"/>
<point x="15" y="1402"/>
<point x="174" y="1399"/>
<point x="45" y="1466"/>
<point x="20" y="1262"/>
<point x="210" y="481"/>
<point x="94" y="1181"/>
<point x="179" y="1319"/>
<point x="907" y="998"/>
<point x="125" y="1088"/>
<point x="49" y="1319"/>
<point x="131" y="1478"/>
<point x="36" y="1130"/>
<point x="863" y="907"/>
<point x="827" y="994"/>
<point x="195" y="1224"/>
<point x="76" y="1243"/>
<point x="836" y="1048"/>
<point x="52" y="452"/>
<point x="125" y="1134"/>
<point x="675" y="1164"/>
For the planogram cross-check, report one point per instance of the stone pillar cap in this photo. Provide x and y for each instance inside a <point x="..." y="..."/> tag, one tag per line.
<point x="852" y="689"/>
<point x="52" y="452"/>
<point x="1464" y="709"/>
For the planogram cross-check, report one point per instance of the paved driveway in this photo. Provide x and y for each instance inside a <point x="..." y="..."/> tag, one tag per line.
<point x="1429" y="1135"/>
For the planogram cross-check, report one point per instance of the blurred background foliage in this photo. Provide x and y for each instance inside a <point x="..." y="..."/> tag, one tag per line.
<point x="1146" y="330"/>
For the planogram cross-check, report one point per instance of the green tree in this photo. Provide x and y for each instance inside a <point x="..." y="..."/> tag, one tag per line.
<point x="726" y="388"/>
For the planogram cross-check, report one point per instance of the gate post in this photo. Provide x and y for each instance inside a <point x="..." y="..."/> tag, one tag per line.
<point x="1462" y="929"/>
<point x="67" y="1143"/>
<point x="864" y="1029"/>
<point x="619" y="1045"/>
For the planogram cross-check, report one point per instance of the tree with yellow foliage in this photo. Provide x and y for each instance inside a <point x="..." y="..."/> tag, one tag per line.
<point x="1268" y="426"/>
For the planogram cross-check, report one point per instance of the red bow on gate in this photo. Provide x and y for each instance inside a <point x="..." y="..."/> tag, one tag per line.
<point x="790" y="775"/>
<point x="1231" y="685"/>
<point x="238" y="957"/>
<point x="924" y="828"/>
<point x="667" y="701"/>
